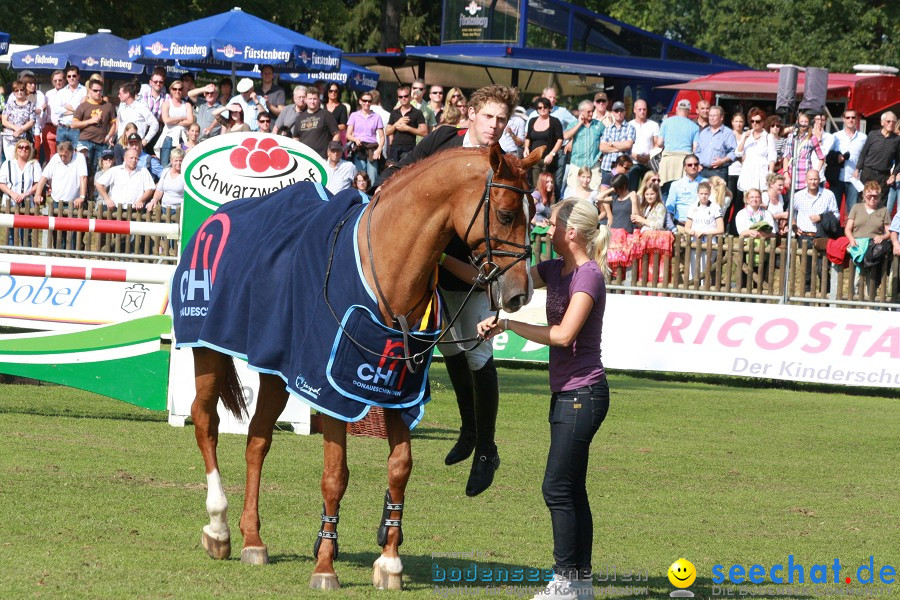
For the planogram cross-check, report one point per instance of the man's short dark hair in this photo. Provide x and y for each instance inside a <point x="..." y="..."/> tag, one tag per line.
<point x="131" y="88"/>
<point x="689" y="157"/>
<point x="71" y="68"/>
<point x="623" y="160"/>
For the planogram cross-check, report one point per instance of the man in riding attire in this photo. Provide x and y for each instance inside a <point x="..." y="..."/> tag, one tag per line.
<point x="472" y="372"/>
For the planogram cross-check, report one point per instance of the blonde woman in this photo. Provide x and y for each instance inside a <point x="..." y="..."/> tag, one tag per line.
<point x="576" y="301"/>
<point x="19" y="177"/>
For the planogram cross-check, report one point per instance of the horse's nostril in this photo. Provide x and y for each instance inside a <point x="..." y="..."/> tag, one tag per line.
<point x="516" y="302"/>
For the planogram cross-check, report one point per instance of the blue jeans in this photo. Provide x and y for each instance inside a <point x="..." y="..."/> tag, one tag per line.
<point x="66" y="134"/>
<point x="369" y="166"/>
<point x="165" y="151"/>
<point x="92" y="156"/>
<point x="575" y="416"/>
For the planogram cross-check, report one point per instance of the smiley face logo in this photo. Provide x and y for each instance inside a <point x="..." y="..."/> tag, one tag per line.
<point x="682" y="573"/>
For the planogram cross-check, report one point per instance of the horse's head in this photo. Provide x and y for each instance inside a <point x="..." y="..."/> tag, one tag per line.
<point x="498" y="231"/>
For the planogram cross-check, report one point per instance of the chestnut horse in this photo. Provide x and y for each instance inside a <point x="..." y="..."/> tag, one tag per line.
<point x="474" y="193"/>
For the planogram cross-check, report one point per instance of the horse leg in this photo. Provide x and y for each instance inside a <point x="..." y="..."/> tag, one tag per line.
<point x="387" y="572"/>
<point x="334" y="483"/>
<point x="209" y="375"/>
<point x="271" y="402"/>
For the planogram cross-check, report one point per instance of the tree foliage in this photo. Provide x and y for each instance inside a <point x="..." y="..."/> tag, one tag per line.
<point x="835" y="34"/>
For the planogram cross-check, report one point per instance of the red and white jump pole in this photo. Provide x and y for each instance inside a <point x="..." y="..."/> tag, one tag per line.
<point x="90" y="270"/>
<point x="169" y="230"/>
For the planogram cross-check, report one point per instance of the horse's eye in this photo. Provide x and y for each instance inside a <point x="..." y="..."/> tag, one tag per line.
<point x="506" y="217"/>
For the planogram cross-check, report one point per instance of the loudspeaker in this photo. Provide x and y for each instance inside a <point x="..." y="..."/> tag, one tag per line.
<point x="786" y="99"/>
<point x="815" y="91"/>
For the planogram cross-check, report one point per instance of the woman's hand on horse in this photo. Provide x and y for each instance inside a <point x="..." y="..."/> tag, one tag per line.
<point x="490" y="327"/>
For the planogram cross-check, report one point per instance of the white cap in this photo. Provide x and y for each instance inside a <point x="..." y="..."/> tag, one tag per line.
<point x="244" y="85"/>
<point x="685" y="104"/>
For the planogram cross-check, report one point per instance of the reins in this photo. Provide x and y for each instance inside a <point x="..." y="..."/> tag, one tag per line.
<point x="488" y="272"/>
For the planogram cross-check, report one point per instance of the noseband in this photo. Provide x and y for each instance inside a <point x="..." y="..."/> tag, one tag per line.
<point x="488" y="273"/>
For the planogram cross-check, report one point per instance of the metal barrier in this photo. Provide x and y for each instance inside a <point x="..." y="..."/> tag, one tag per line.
<point x="733" y="268"/>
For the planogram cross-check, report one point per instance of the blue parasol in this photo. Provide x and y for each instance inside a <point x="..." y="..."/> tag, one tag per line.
<point x="232" y="39"/>
<point x="101" y="52"/>
<point x="4" y="42"/>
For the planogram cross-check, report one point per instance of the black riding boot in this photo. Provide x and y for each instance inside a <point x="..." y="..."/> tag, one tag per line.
<point x="487" y="399"/>
<point x="461" y="378"/>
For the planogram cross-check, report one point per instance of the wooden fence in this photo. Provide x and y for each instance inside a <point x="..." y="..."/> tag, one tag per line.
<point x="728" y="267"/>
<point x="142" y="248"/>
<point x="725" y="267"/>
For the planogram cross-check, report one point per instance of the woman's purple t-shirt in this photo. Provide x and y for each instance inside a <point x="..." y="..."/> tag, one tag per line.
<point x="580" y="364"/>
<point x="364" y="128"/>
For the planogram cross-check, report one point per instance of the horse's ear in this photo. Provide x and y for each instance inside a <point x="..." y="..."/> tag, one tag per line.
<point x="532" y="158"/>
<point x="496" y="157"/>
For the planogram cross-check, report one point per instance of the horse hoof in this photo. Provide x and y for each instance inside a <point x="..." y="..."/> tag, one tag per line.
<point x="385" y="575"/>
<point x="217" y="549"/>
<point x="255" y="556"/>
<point x="324" y="581"/>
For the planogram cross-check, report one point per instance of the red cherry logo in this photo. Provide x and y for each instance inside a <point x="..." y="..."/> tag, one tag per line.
<point x="259" y="155"/>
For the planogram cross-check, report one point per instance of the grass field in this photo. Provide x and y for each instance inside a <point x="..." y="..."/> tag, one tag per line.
<point x="102" y="500"/>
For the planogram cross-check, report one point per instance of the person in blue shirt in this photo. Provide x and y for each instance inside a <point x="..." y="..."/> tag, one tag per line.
<point x="716" y="145"/>
<point x="683" y="192"/>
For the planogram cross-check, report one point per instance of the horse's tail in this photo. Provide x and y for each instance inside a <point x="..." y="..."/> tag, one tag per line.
<point x="233" y="393"/>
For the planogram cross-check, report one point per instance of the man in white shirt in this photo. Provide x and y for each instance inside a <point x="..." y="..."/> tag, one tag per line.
<point x="126" y="183"/>
<point x="69" y="98"/>
<point x="848" y="143"/>
<point x="67" y="174"/>
<point x="54" y="111"/>
<point x="250" y="103"/>
<point x="340" y="172"/>
<point x="645" y="131"/>
<point x="810" y="205"/>
<point x="132" y="111"/>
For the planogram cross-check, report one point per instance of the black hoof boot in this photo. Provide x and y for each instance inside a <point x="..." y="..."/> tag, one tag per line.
<point x="482" y="474"/>
<point x="387" y="521"/>
<point x="327" y="535"/>
<point x="462" y="450"/>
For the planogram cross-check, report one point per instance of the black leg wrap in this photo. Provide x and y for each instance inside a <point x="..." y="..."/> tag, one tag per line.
<point x="327" y="535"/>
<point x="387" y="521"/>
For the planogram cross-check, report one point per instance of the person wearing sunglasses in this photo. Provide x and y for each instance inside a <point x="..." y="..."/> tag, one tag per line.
<point x="177" y="116"/>
<point x="337" y="108"/>
<point x="434" y="108"/>
<point x="95" y="118"/>
<point x="18" y="119"/>
<point x="546" y="132"/>
<point x="19" y="177"/>
<point x="848" y="144"/>
<point x="618" y="139"/>
<point x="366" y="130"/>
<point x="406" y="122"/>
<point x="683" y="192"/>
<point x="757" y="147"/>
<point x="68" y="99"/>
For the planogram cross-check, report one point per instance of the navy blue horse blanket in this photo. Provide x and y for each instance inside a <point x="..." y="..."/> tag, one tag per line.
<point x="251" y="283"/>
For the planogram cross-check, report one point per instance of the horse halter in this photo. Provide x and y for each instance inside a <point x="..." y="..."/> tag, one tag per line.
<point x="488" y="270"/>
<point x="485" y="278"/>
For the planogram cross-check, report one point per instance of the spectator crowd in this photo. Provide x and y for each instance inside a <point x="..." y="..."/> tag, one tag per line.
<point x="700" y="172"/>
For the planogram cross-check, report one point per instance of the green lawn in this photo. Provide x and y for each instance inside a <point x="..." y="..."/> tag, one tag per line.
<point x="103" y="500"/>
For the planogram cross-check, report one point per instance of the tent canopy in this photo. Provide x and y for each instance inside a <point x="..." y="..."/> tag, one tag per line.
<point x="101" y="52"/>
<point x="235" y="38"/>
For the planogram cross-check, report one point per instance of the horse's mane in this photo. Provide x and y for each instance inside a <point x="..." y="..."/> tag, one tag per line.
<point x="410" y="172"/>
